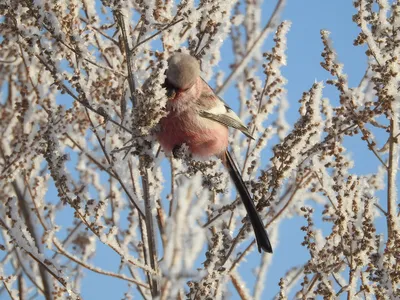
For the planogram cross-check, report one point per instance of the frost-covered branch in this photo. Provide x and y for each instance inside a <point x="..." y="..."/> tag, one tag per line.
<point x="83" y="91"/>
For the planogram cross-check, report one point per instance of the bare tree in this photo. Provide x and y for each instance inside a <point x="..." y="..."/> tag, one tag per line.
<point x="76" y="116"/>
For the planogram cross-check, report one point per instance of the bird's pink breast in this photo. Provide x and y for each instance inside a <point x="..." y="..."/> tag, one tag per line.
<point x="204" y="137"/>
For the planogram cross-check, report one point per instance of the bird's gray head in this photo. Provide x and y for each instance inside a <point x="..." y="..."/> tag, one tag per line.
<point x="183" y="70"/>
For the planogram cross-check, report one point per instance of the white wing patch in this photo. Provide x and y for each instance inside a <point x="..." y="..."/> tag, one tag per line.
<point x="225" y="115"/>
<point x="222" y="113"/>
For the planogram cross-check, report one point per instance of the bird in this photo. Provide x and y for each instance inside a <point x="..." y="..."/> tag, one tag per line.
<point x="197" y="117"/>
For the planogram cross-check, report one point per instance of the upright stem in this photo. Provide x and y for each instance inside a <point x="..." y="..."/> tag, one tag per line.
<point x="24" y="206"/>
<point x="150" y="232"/>
<point x="128" y="54"/>
<point x="148" y="218"/>
<point x="392" y="172"/>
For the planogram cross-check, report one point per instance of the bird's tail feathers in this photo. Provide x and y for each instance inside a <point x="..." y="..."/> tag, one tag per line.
<point x="258" y="226"/>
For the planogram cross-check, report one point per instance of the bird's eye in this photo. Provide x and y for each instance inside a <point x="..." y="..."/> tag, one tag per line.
<point x="171" y="90"/>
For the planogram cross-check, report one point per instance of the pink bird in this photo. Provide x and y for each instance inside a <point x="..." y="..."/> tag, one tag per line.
<point x="200" y="119"/>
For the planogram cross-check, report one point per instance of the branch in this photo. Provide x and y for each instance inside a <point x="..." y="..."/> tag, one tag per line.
<point x="391" y="171"/>
<point x="261" y="37"/>
<point x="94" y="269"/>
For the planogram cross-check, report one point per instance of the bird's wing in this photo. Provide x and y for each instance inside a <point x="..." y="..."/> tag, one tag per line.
<point x="228" y="119"/>
<point x="223" y="114"/>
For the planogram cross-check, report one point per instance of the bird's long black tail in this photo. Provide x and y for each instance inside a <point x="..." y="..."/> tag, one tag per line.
<point x="258" y="226"/>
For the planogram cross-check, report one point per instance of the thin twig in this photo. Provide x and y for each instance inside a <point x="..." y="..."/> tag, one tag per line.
<point x="155" y="34"/>
<point x="128" y="55"/>
<point x="61" y="280"/>
<point x="84" y="103"/>
<point x="96" y="270"/>
<point x="23" y="204"/>
<point x="269" y="25"/>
